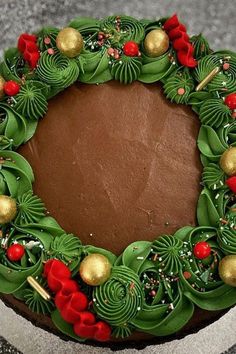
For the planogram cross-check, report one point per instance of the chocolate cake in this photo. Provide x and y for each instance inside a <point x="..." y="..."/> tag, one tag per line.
<point x="117" y="208"/>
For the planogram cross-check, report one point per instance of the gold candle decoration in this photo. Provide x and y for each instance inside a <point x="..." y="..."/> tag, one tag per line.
<point x="208" y="78"/>
<point x="35" y="285"/>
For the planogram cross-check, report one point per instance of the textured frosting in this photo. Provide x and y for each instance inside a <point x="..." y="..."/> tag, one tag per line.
<point x="116" y="159"/>
<point x="30" y="209"/>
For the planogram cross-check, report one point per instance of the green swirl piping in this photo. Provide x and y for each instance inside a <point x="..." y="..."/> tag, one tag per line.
<point x="215" y="113"/>
<point x="57" y="70"/>
<point x="180" y="80"/>
<point x="131" y="29"/>
<point x="119" y="300"/>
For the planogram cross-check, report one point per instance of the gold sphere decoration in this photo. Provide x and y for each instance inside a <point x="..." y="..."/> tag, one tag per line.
<point x="228" y="161"/>
<point x="69" y="41"/>
<point x="95" y="269"/>
<point x="156" y="43"/>
<point x="2" y="82"/>
<point x="227" y="269"/>
<point x="8" y="209"/>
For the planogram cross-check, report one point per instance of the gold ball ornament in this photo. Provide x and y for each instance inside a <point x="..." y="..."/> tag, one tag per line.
<point x="227" y="269"/>
<point x="228" y="161"/>
<point x="8" y="209"/>
<point x="156" y="43"/>
<point x="95" y="269"/>
<point x="69" y="41"/>
<point x="2" y="82"/>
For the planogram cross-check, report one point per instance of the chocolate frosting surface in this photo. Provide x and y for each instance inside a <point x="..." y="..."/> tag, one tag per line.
<point x="115" y="163"/>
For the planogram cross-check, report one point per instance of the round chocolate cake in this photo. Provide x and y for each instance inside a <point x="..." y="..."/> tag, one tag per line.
<point x="117" y="209"/>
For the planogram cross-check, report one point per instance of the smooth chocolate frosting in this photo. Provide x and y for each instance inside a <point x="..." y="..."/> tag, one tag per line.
<point x="115" y="163"/>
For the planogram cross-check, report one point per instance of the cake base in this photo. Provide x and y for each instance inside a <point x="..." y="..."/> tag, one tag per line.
<point x="137" y="340"/>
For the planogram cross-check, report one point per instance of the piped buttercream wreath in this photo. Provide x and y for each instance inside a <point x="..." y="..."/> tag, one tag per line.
<point x="153" y="286"/>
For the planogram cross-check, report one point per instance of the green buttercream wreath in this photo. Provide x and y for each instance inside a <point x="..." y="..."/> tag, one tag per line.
<point x="167" y="278"/>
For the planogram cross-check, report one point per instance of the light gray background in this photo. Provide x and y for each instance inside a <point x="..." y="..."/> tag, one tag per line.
<point x="216" y="20"/>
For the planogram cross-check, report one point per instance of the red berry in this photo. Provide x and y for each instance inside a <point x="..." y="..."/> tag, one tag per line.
<point x="15" y="252"/>
<point x="202" y="250"/>
<point x="131" y="49"/>
<point x="11" y="88"/>
<point x="230" y="100"/>
<point x="231" y="183"/>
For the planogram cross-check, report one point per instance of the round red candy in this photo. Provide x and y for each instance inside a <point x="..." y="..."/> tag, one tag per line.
<point x="131" y="49"/>
<point x="11" y="88"/>
<point x="15" y="252"/>
<point x="230" y="101"/>
<point x="231" y="183"/>
<point x="202" y="250"/>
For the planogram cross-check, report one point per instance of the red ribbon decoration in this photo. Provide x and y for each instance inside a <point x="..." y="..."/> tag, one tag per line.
<point x="177" y="34"/>
<point x="27" y="45"/>
<point x="73" y="304"/>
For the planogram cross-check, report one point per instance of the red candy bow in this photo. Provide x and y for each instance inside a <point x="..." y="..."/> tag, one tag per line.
<point x="73" y="303"/>
<point x="177" y="34"/>
<point x="27" y="45"/>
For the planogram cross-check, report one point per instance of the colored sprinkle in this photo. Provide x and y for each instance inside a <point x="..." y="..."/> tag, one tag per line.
<point x="181" y="91"/>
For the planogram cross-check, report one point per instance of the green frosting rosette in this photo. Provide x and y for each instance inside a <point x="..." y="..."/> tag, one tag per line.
<point x="165" y="310"/>
<point x="200" y="279"/>
<point x="119" y="299"/>
<point x="16" y="175"/>
<point x="34" y="300"/>
<point x="126" y="69"/>
<point x="67" y="248"/>
<point x="130" y="29"/>
<point x="213" y="176"/>
<point x="224" y="81"/>
<point x="215" y="113"/>
<point x="57" y="70"/>
<point x="13" y="275"/>
<point x="201" y="46"/>
<point x="31" y="101"/>
<point x="30" y="209"/>
<point x="169" y="250"/>
<point x="178" y="86"/>
<point x="226" y="233"/>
